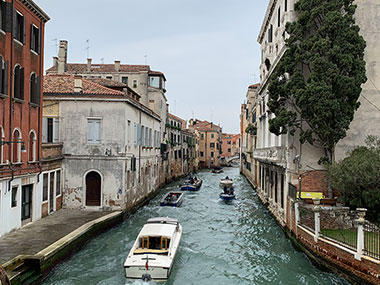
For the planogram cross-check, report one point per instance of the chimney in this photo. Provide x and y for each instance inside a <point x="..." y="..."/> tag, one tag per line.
<point x="151" y="105"/>
<point x="89" y="60"/>
<point x="62" y="57"/>
<point x="78" y="84"/>
<point x="117" y="65"/>
<point x="55" y="60"/>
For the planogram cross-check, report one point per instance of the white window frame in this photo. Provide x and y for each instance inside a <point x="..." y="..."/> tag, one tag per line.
<point x="135" y="83"/>
<point x="18" y="145"/>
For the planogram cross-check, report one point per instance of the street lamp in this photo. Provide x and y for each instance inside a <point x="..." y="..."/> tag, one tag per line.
<point x="23" y="149"/>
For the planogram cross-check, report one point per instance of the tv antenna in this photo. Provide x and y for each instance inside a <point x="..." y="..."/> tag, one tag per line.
<point x="102" y="60"/>
<point x="55" y="44"/>
<point x="88" y="48"/>
<point x="146" y="59"/>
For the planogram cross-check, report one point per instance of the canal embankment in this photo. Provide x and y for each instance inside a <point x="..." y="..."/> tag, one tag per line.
<point x="339" y="256"/>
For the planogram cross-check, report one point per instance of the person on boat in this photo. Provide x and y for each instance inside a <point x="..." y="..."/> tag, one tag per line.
<point x="225" y="189"/>
<point x="227" y="178"/>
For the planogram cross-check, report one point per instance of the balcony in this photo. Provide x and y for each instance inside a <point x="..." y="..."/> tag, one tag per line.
<point x="51" y="151"/>
<point x="272" y="154"/>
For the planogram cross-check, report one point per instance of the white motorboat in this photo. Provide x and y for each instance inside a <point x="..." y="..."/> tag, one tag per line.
<point x="152" y="255"/>
<point x="226" y="182"/>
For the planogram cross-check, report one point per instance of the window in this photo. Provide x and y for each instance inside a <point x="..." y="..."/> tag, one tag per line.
<point x="129" y="132"/>
<point x="124" y="79"/>
<point x="109" y="77"/>
<point x="32" y="146"/>
<point x="146" y="136"/>
<point x="154" y="82"/>
<point x="50" y="127"/>
<point x="35" y="39"/>
<point x="19" y="27"/>
<point x="212" y="136"/>
<point x="142" y="136"/>
<point x="270" y="34"/>
<point x="286" y="5"/>
<point x="279" y="17"/>
<point x="14" y="196"/>
<point x="16" y="147"/>
<point x="228" y="142"/>
<point x="212" y="145"/>
<point x="175" y="154"/>
<point x="133" y="163"/>
<point x="35" y="88"/>
<point x="150" y="137"/>
<point x="58" y="183"/>
<point x="93" y="135"/>
<point x="202" y="136"/>
<point x="3" y="75"/>
<point x="45" y="187"/>
<point x="212" y="154"/>
<point x="134" y="83"/>
<point x="18" y="82"/>
<point x="229" y="150"/>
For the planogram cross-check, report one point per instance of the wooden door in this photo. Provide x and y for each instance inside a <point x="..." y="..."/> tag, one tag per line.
<point x="26" y="202"/>
<point x="93" y="189"/>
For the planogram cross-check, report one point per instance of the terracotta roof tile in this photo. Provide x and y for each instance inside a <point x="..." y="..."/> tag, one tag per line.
<point x="64" y="84"/>
<point x="107" y="82"/>
<point x="81" y="68"/>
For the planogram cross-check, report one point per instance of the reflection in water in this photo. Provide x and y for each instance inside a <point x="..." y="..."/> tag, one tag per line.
<point x="234" y="243"/>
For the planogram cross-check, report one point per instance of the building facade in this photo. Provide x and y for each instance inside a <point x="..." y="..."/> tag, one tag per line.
<point x="282" y="162"/>
<point x="22" y="28"/>
<point x="111" y="144"/>
<point x="210" y="143"/>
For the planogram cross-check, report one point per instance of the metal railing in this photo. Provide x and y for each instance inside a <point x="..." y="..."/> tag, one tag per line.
<point x="372" y="240"/>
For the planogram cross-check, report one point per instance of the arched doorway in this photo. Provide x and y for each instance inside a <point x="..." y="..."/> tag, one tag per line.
<point x="93" y="189"/>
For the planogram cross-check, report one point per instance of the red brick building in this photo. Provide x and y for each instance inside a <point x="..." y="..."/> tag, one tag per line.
<point x="21" y="69"/>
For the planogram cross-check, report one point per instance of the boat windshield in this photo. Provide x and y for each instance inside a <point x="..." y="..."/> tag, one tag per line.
<point x="153" y="244"/>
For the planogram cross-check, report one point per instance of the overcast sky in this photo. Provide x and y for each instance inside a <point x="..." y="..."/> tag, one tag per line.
<point x="207" y="49"/>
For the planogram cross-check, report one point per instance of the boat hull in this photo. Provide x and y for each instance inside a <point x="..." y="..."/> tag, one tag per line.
<point x="189" y="187"/>
<point x="176" y="203"/>
<point x="156" y="273"/>
<point x="227" y="197"/>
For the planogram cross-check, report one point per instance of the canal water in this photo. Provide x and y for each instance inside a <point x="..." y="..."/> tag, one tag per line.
<point x="237" y="243"/>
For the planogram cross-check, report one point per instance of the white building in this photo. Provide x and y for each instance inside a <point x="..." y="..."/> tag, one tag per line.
<point x="111" y="144"/>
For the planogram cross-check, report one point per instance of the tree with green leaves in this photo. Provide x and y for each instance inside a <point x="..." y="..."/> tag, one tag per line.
<point x="357" y="178"/>
<point x="317" y="83"/>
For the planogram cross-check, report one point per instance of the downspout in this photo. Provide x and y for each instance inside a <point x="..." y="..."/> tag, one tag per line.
<point x="39" y="144"/>
<point x="140" y="147"/>
<point x="11" y="102"/>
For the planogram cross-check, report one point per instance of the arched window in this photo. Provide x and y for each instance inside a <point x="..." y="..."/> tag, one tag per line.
<point x="18" y="82"/>
<point x="32" y="146"/>
<point x="16" y="146"/>
<point x="2" y="138"/>
<point x="34" y="88"/>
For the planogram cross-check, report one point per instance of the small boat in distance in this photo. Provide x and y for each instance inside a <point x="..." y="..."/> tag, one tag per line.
<point x="217" y="170"/>
<point x="172" y="198"/>
<point x="152" y="255"/>
<point x="192" y="184"/>
<point x="226" y="182"/>
<point x="228" y="194"/>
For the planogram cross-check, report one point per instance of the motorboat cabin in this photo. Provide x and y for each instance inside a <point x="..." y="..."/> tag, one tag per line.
<point x="154" y="250"/>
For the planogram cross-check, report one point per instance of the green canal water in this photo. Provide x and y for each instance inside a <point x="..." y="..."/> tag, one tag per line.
<point x="237" y="243"/>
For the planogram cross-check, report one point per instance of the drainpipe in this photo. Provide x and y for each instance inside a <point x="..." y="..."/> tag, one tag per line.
<point x="11" y="102"/>
<point x="39" y="108"/>
<point x="140" y="147"/>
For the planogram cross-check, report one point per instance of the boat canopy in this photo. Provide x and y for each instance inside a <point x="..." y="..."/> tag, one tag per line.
<point x="165" y="230"/>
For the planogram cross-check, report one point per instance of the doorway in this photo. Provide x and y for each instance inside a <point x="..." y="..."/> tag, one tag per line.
<point x="26" y="203"/>
<point x="93" y="189"/>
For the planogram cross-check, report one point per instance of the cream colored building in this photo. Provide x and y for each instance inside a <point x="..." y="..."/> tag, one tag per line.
<point x="282" y="159"/>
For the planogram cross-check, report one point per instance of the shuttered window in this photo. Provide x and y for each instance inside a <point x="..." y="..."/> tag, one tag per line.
<point x="135" y="134"/>
<point x="93" y="134"/>
<point x="5" y="16"/>
<point x="19" y="27"/>
<point x="35" y="39"/>
<point x="35" y="89"/>
<point x="50" y="130"/>
<point x="19" y="82"/>
<point x="3" y="76"/>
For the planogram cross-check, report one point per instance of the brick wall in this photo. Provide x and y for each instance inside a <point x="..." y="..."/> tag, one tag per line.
<point x="50" y="151"/>
<point x="345" y="261"/>
<point x="58" y="203"/>
<point x="314" y="181"/>
<point x="45" y="209"/>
